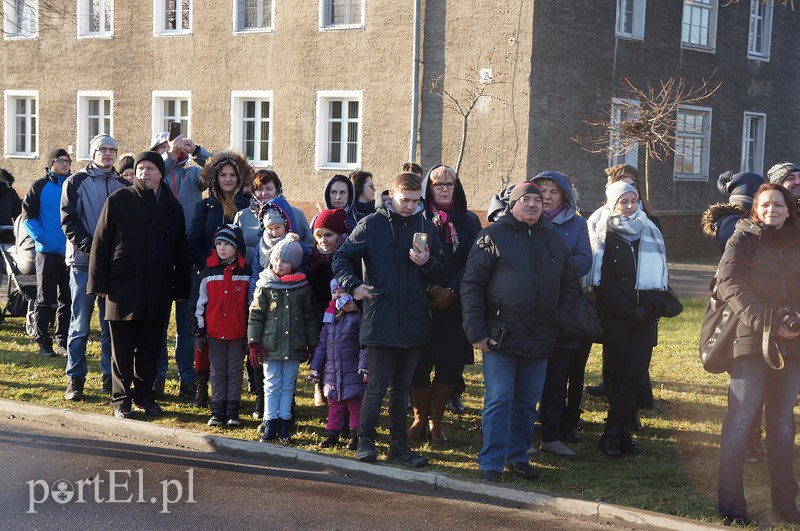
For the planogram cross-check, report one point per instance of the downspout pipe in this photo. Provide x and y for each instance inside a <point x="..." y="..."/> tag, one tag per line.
<point x="412" y="149"/>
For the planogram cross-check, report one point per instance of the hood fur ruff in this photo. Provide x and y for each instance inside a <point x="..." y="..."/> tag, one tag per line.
<point x="715" y="213"/>
<point x="217" y="160"/>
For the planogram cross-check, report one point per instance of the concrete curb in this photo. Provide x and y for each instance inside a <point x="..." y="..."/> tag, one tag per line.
<point x="435" y="481"/>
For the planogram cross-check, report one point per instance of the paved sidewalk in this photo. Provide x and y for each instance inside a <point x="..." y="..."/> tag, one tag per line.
<point x="425" y="482"/>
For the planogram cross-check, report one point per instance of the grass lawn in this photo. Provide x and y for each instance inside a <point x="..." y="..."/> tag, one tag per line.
<point x="675" y="474"/>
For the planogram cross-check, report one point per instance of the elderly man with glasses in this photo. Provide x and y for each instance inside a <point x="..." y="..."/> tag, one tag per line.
<point x="42" y="208"/>
<point x="82" y="199"/>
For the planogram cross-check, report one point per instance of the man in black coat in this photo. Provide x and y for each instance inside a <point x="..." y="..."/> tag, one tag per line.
<point x="518" y="290"/>
<point x="139" y="262"/>
<point x="396" y="324"/>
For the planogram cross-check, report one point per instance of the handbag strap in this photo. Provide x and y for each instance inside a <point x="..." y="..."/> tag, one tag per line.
<point x="765" y="342"/>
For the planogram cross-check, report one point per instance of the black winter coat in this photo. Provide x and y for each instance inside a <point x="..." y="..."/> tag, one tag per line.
<point x="759" y="270"/>
<point x="208" y="216"/>
<point x="449" y="345"/>
<point x="139" y="255"/>
<point x="519" y="278"/>
<point x="399" y="316"/>
<point x="10" y="208"/>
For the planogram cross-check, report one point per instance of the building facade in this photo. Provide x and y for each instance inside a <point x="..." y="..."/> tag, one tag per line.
<point x="317" y="87"/>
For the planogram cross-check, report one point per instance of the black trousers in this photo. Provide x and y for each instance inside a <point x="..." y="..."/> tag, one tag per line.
<point x="135" y="347"/>
<point x="52" y="299"/>
<point x="575" y="378"/>
<point x="445" y="375"/>
<point x="627" y="350"/>
<point x="554" y="392"/>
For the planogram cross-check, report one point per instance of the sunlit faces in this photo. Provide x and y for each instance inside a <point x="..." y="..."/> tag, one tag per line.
<point x="772" y="209"/>
<point x="405" y="202"/>
<point x="227" y="180"/>
<point x="368" y="193"/>
<point x="527" y="209"/>
<point x="443" y="188"/>
<point x="339" y="195"/>
<point x="792" y="183"/>
<point x="552" y="197"/>
<point x="627" y="204"/>
<point x="127" y="174"/>
<point x="225" y="250"/>
<point x="148" y="173"/>
<point x="265" y="192"/>
<point x="326" y="239"/>
<point x="276" y="230"/>
<point x="61" y="166"/>
<point x="105" y="156"/>
<point x="280" y="267"/>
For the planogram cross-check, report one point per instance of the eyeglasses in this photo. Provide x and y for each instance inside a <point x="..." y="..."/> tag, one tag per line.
<point x="442" y="186"/>
<point x="107" y="150"/>
<point x="63" y="161"/>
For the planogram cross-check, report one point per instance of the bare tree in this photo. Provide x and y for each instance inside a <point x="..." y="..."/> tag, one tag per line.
<point x="785" y="3"/>
<point x="30" y="16"/>
<point x="462" y="99"/>
<point x="648" y="118"/>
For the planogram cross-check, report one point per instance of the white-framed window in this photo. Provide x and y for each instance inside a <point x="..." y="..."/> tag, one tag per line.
<point x="21" y="123"/>
<point x="172" y="17"/>
<point x="760" y="36"/>
<point x="95" y="18"/>
<point x="253" y="16"/>
<point x="341" y="14"/>
<point x="622" y="110"/>
<point x="754" y="130"/>
<point x="95" y="116"/>
<point x="339" y="129"/>
<point x="699" y="27"/>
<point x="630" y="19"/>
<point x="172" y="106"/>
<point x="692" y="143"/>
<point x="21" y="19"/>
<point x="251" y="125"/>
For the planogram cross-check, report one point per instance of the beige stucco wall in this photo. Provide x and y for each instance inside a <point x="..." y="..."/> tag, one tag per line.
<point x="294" y="62"/>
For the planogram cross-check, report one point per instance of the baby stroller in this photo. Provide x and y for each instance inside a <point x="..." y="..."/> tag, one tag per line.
<point x="18" y="265"/>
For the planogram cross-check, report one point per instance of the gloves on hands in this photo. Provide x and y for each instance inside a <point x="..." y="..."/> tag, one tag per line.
<point x="257" y="354"/>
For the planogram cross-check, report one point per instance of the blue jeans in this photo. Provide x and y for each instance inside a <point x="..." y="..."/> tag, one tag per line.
<point x="279" y="383"/>
<point x="184" y="344"/>
<point x="513" y="387"/>
<point x="753" y="382"/>
<point x="80" y="326"/>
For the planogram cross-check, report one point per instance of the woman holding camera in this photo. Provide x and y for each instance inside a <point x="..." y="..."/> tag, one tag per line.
<point x="757" y="277"/>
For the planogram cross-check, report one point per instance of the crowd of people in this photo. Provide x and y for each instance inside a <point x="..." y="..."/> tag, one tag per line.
<point x="392" y="292"/>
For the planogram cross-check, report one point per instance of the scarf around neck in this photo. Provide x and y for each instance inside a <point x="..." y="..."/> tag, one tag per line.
<point x="651" y="263"/>
<point x="442" y="220"/>
<point x="268" y="279"/>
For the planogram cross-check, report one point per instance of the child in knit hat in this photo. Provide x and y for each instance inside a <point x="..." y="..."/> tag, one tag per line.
<point x="221" y="315"/>
<point x="281" y="327"/>
<point x="344" y="364"/>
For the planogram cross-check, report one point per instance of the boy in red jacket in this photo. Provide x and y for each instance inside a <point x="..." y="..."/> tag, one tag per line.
<point x="222" y="322"/>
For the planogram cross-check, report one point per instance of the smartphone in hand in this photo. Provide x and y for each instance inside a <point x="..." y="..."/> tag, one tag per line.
<point x="420" y="241"/>
<point x="174" y="130"/>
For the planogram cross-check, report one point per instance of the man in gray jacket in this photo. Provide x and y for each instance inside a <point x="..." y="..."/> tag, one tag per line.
<point x="82" y="199"/>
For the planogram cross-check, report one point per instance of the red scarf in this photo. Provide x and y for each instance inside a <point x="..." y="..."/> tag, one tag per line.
<point x="442" y="221"/>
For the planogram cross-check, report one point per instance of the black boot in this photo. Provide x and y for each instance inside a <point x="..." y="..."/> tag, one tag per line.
<point x="270" y="430"/>
<point x="233" y="414"/>
<point x="284" y="431"/>
<point x="352" y="444"/>
<point x="609" y="442"/>
<point x="331" y="440"/>
<point x="598" y="390"/>
<point x="74" y="389"/>
<point x="258" y="411"/>
<point x="636" y="421"/>
<point x="201" y="388"/>
<point x="626" y="444"/>
<point x="217" y="414"/>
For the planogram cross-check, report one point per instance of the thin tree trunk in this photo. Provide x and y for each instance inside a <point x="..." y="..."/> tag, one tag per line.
<point x="647" y="173"/>
<point x="463" y="145"/>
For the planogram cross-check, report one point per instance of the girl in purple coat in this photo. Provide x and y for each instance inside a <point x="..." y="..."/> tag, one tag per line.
<point x="344" y="363"/>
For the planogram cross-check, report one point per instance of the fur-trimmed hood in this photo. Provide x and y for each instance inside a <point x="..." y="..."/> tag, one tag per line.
<point x="715" y="213"/>
<point x="217" y="160"/>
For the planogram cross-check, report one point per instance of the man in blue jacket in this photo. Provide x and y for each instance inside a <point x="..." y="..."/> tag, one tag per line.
<point x="397" y="316"/>
<point x="42" y="209"/>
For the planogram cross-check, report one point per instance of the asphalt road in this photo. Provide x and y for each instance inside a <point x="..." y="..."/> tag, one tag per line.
<point x="56" y="478"/>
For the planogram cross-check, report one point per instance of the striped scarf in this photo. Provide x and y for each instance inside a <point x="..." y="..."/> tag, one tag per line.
<point x="651" y="263"/>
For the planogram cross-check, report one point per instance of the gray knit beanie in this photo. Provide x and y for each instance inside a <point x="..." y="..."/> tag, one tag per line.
<point x="288" y="249"/>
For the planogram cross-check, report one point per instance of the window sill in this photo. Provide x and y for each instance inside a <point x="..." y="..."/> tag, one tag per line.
<point x="697" y="48"/>
<point x="261" y="164"/>
<point x="87" y="36"/>
<point x="20" y="37"/>
<point x="760" y="58"/>
<point x="690" y="178"/>
<point x="258" y="31"/>
<point x="339" y="167"/>
<point x="627" y="37"/>
<point x="342" y="27"/>
<point x="24" y="156"/>
<point x="181" y="33"/>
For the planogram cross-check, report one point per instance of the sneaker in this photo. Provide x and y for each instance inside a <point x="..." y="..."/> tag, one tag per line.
<point x="366" y="450"/>
<point x="492" y="476"/>
<point x="151" y="410"/>
<point x="61" y="350"/>
<point x="405" y="456"/>
<point x="558" y="448"/>
<point x="123" y="411"/>
<point x="106" y="388"/>
<point x="523" y="469"/>
<point x="532" y="451"/>
<point x="74" y="390"/>
<point x="46" y="352"/>
<point x="215" y="421"/>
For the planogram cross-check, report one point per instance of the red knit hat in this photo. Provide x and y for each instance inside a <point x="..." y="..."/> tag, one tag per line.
<point x="333" y="220"/>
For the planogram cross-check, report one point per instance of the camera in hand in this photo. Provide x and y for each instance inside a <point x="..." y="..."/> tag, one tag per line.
<point x="793" y="314"/>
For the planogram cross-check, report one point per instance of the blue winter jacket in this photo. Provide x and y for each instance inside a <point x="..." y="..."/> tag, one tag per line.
<point x="185" y="179"/>
<point x="42" y="208"/>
